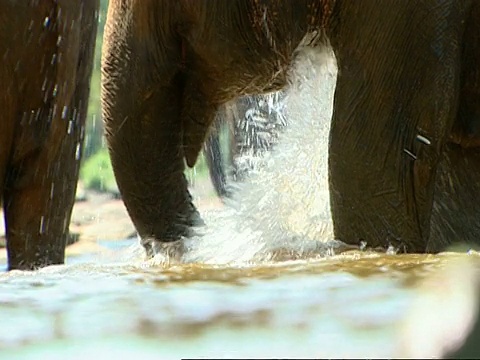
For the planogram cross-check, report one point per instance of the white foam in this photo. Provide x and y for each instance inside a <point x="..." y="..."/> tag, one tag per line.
<point x="284" y="204"/>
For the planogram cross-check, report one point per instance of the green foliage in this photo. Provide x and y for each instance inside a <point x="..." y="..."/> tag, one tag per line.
<point x="94" y="129"/>
<point x="200" y="170"/>
<point x="97" y="174"/>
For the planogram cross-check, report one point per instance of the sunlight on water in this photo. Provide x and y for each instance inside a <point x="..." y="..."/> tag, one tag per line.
<point x="342" y="306"/>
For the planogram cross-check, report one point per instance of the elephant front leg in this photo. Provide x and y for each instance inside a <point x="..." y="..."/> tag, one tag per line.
<point x="395" y="101"/>
<point x="151" y="134"/>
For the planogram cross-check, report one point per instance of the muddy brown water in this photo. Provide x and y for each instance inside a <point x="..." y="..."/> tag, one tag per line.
<point x="357" y="304"/>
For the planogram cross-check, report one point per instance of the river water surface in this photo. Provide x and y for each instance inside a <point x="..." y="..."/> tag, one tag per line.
<point x="351" y="305"/>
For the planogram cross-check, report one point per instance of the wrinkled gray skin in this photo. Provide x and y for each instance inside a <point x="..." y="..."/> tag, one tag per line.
<point x="253" y="123"/>
<point x="405" y="129"/>
<point x="46" y="52"/>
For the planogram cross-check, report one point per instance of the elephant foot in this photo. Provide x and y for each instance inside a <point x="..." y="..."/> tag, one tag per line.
<point x="163" y="252"/>
<point x="171" y="245"/>
<point x="35" y="265"/>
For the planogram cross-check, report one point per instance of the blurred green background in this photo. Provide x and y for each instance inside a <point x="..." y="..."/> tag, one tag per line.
<point x="96" y="171"/>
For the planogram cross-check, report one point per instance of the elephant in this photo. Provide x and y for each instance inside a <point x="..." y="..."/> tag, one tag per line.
<point x="214" y="157"/>
<point x="405" y="129"/>
<point x="254" y="123"/>
<point x="46" y="52"/>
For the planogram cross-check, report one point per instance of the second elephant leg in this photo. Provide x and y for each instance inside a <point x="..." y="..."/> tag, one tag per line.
<point x="38" y="199"/>
<point x="395" y="102"/>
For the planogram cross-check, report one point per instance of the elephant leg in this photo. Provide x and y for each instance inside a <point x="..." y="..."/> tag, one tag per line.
<point x="145" y="147"/>
<point x="456" y="214"/>
<point x="40" y="192"/>
<point x="157" y="115"/>
<point x="38" y="200"/>
<point x="44" y="159"/>
<point x="150" y="127"/>
<point x="395" y="103"/>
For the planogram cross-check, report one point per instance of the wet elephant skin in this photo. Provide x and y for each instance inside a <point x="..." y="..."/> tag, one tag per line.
<point x="406" y="88"/>
<point x="46" y="52"/>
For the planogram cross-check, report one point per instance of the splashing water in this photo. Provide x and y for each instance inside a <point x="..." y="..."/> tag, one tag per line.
<point x="257" y="130"/>
<point x="281" y="211"/>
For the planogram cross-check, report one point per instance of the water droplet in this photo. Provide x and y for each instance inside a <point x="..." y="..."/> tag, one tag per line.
<point x="392" y="250"/>
<point x="78" y="152"/>
<point x="44" y="84"/>
<point x="70" y="127"/>
<point x="42" y="229"/>
<point x="64" y="112"/>
<point x="363" y="245"/>
<point x="46" y="22"/>
<point x="75" y="114"/>
<point x="423" y="139"/>
<point x="54" y="111"/>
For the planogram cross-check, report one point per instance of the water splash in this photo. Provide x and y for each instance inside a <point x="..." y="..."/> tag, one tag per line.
<point x="281" y="211"/>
